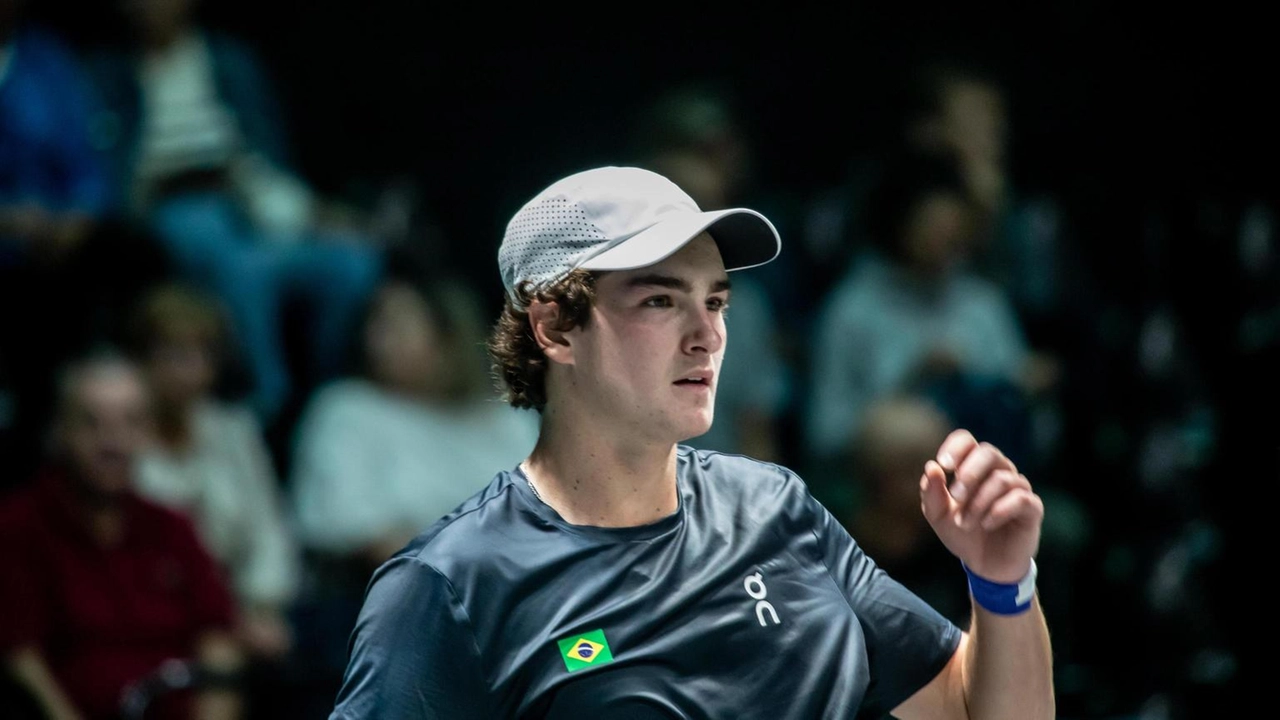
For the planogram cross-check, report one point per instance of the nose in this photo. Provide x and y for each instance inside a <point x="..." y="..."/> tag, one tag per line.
<point x="705" y="333"/>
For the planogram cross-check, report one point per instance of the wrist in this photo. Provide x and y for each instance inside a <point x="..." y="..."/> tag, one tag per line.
<point x="1003" y="598"/>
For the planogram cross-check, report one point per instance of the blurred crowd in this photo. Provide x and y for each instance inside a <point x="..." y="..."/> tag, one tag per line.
<point x="226" y="397"/>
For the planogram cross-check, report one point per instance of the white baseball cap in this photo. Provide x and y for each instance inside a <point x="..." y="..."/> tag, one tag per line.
<point x="620" y="218"/>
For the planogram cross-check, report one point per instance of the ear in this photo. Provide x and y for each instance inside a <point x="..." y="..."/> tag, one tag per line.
<point x="544" y="319"/>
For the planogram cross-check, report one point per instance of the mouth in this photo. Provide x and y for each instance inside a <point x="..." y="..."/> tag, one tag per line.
<point x="696" y="380"/>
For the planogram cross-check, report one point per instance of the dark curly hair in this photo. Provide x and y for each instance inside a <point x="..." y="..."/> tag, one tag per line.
<point x="518" y="364"/>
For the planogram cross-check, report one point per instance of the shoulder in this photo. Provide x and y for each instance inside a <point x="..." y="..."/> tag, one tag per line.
<point x="720" y="464"/>
<point x="344" y="396"/>
<point x="470" y="534"/>
<point x="152" y="514"/>
<point x="163" y="526"/>
<point x="753" y="485"/>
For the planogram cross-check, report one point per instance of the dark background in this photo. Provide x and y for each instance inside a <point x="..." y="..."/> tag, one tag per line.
<point x="1153" y="126"/>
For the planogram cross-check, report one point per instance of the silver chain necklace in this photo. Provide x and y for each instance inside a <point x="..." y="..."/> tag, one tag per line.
<point x="528" y="478"/>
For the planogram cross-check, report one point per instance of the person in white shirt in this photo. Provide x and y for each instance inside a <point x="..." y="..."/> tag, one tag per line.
<point x="211" y="460"/>
<point x="392" y="447"/>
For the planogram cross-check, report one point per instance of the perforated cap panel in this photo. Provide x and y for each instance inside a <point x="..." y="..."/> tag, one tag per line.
<point x="545" y="240"/>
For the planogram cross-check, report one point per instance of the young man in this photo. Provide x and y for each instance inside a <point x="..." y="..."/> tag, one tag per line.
<point x="618" y="574"/>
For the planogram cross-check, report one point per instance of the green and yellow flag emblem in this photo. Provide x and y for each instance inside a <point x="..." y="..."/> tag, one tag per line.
<point x="585" y="650"/>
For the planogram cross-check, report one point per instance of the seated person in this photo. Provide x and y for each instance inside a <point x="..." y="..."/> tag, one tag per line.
<point x="910" y="314"/>
<point x="211" y="460"/>
<point x="98" y="586"/>
<point x="882" y="478"/>
<point x="381" y="454"/>
<point x="201" y="152"/>
<point x="61" y="249"/>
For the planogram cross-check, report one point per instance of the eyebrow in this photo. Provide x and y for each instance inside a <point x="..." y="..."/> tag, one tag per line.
<point x="674" y="283"/>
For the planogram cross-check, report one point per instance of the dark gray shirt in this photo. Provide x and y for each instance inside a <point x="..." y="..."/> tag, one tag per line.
<point x="750" y="601"/>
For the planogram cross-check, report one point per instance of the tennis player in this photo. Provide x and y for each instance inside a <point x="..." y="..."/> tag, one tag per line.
<point x="616" y="573"/>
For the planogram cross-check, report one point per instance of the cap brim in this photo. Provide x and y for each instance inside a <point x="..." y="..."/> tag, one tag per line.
<point x="745" y="239"/>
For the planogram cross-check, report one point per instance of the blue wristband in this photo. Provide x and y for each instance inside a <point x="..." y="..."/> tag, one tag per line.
<point x="1003" y="598"/>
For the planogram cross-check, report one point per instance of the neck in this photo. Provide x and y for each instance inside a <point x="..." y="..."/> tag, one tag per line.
<point x="101" y="513"/>
<point x="605" y="483"/>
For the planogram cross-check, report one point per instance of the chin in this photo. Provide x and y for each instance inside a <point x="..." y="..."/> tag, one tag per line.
<point x="694" y="430"/>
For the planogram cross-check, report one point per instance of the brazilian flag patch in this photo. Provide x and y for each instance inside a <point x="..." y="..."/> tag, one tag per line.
<point x="585" y="650"/>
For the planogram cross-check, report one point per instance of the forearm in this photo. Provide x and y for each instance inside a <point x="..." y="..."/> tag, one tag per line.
<point x="28" y="667"/>
<point x="1009" y="666"/>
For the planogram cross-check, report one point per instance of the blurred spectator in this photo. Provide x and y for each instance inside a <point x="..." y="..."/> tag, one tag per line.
<point x="56" y="229"/>
<point x="201" y="150"/>
<point x="1021" y="235"/>
<point x="692" y="136"/>
<point x="211" y="462"/>
<point x="909" y="314"/>
<point x="1018" y="237"/>
<point x="702" y="131"/>
<point x="886" y="458"/>
<point x="99" y="586"/>
<point x="53" y="185"/>
<point x="378" y="455"/>
<point x="383" y="453"/>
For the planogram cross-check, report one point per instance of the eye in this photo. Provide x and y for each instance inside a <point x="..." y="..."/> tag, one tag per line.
<point x="658" y="301"/>
<point x="717" y="304"/>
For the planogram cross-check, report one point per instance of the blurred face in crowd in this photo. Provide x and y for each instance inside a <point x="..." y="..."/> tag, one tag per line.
<point x="181" y="368"/>
<point x="402" y="341"/>
<point x="896" y="439"/>
<point x="938" y="233"/>
<point x="701" y="178"/>
<point x="975" y="121"/>
<point x="105" y="422"/>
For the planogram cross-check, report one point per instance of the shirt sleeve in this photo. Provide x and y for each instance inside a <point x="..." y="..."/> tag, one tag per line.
<point x="413" y="653"/>
<point x="908" y="641"/>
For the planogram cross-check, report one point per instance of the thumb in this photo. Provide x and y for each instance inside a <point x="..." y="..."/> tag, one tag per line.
<point x="935" y="501"/>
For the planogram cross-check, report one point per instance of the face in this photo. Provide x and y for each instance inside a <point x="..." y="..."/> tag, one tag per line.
<point x="182" y="370"/>
<point x="896" y="439"/>
<point x="976" y="121"/>
<point x="104" y="426"/>
<point x="649" y="359"/>
<point x="401" y="339"/>
<point x="938" y="233"/>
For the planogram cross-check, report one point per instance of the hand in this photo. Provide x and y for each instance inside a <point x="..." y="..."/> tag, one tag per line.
<point x="990" y="517"/>
<point x="265" y="633"/>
